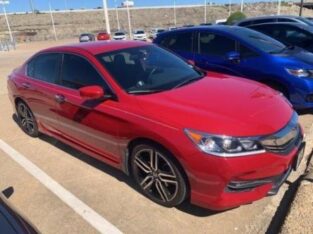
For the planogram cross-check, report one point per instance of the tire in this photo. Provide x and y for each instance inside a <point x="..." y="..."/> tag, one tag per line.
<point x="161" y="181"/>
<point x="26" y="119"/>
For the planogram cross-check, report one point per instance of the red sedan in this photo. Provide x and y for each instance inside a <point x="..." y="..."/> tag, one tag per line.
<point x="103" y="36"/>
<point x="216" y="140"/>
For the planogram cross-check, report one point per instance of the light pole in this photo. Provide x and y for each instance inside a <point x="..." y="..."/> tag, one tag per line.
<point x="31" y="4"/>
<point x="117" y="18"/>
<point x="3" y="2"/>
<point x="241" y="6"/>
<point x="65" y="4"/>
<point x="175" y="22"/>
<point x="52" y="22"/>
<point x="229" y="7"/>
<point x="205" y="13"/>
<point x="106" y="16"/>
<point x="278" y="7"/>
<point x="129" y="23"/>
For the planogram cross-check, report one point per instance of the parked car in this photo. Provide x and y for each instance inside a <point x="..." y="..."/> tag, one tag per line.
<point x="86" y="37"/>
<point x="180" y="133"/>
<point x="156" y="31"/>
<point x="293" y="34"/>
<point x="244" y="52"/>
<point x="120" y="36"/>
<point x="172" y="28"/>
<point x="13" y="222"/>
<point x="103" y="36"/>
<point x="275" y="18"/>
<point x="140" y="35"/>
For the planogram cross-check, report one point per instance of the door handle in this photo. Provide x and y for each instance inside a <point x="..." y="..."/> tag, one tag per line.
<point x="26" y="85"/>
<point x="59" y="98"/>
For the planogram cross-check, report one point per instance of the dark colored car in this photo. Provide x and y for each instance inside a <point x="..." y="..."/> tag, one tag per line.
<point x="274" y="19"/>
<point x="180" y="133"/>
<point x="294" y="34"/>
<point x="11" y="222"/>
<point x="103" y="36"/>
<point x="86" y="37"/>
<point x="247" y="53"/>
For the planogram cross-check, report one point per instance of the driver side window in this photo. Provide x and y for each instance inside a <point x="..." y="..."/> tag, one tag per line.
<point x="77" y="72"/>
<point x="215" y="45"/>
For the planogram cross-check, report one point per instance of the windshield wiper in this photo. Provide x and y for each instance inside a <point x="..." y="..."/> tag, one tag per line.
<point x="188" y="81"/>
<point x="145" y="91"/>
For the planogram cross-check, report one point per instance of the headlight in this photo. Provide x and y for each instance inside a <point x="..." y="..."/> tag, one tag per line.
<point x="299" y="72"/>
<point x="225" y="146"/>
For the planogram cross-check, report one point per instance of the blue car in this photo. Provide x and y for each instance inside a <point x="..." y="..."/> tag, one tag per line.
<point x="246" y="53"/>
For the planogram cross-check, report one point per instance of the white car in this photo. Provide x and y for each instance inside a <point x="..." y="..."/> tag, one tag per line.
<point x="119" y="36"/>
<point x="140" y="35"/>
<point x="156" y="31"/>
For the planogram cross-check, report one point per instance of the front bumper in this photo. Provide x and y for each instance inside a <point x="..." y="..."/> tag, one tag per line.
<point x="265" y="174"/>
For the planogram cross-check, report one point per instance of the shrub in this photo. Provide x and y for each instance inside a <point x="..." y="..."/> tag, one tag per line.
<point x="235" y="17"/>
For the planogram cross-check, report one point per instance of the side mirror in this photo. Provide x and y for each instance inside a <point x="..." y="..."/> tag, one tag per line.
<point x="91" y="92"/>
<point x="191" y="62"/>
<point x="233" y="57"/>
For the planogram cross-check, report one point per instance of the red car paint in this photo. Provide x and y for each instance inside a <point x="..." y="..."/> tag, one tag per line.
<point x="103" y="36"/>
<point x="218" y="104"/>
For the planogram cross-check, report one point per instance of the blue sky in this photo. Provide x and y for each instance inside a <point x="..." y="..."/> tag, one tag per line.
<point x="23" y="5"/>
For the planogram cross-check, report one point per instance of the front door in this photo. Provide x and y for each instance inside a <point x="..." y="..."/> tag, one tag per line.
<point x="90" y="124"/>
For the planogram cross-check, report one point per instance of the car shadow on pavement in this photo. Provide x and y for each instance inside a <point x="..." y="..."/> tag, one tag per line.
<point x="305" y="112"/>
<point x="186" y="206"/>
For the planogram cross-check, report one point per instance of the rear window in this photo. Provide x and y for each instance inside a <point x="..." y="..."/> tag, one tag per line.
<point x="44" y="67"/>
<point x="178" y="41"/>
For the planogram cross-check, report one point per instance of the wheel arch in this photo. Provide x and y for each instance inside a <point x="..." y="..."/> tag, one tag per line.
<point x="143" y="140"/>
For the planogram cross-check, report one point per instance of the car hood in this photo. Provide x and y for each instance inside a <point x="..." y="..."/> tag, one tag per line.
<point x="297" y="57"/>
<point x="219" y="104"/>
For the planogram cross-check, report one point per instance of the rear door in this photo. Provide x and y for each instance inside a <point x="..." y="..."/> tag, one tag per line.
<point x="182" y="43"/>
<point x="39" y="87"/>
<point x="212" y="49"/>
<point x="87" y="123"/>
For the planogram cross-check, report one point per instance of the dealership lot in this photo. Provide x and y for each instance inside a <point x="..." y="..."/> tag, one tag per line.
<point x="107" y="191"/>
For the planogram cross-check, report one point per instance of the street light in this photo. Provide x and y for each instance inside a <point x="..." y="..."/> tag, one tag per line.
<point x="52" y="22"/>
<point x="106" y="16"/>
<point x="175" y="13"/>
<point x="205" y="14"/>
<point x="4" y="2"/>
<point x="278" y="7"/>
<point x="117" y="18"/>
<point x="129" y="23"/>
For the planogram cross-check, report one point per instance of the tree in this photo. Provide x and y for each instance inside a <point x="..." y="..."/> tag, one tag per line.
<point x="235" y="17"/>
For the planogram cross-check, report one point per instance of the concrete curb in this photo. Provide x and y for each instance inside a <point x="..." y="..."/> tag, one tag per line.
<point x="299" y="218"/>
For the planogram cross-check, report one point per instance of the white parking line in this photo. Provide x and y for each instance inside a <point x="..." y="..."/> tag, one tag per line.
<point x="92" y="217"/>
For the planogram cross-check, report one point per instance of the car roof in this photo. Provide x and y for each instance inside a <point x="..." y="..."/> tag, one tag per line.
<point x="216" y="28"/>
<point x="298" y="25"/>
<point x="268" y="17"/>
<point x="98" y="47"/>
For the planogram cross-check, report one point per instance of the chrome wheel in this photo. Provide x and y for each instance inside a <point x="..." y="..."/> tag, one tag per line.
<point x="157" y="176"/>
<point x="26" y="119"/>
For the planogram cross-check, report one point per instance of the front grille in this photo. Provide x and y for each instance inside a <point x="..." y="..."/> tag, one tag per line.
<point x="286" y="139"/>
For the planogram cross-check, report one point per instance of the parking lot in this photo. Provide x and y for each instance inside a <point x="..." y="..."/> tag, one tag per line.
<point x="106" y="191"/>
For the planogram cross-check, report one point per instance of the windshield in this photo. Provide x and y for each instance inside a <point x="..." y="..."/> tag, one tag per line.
<point x="261" y="41"/>
<point x="119" y="34"/>
<point x="139" y="32"/>
<point x="305" y="20"/>
<point x="148" y="69"/>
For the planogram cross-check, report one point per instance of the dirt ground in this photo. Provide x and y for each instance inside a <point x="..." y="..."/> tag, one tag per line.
<point x="108" y="191"/>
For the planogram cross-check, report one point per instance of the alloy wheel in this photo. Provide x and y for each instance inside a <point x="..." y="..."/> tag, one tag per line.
<point x="26" y="119"/>
<point x="156" y="175"/>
